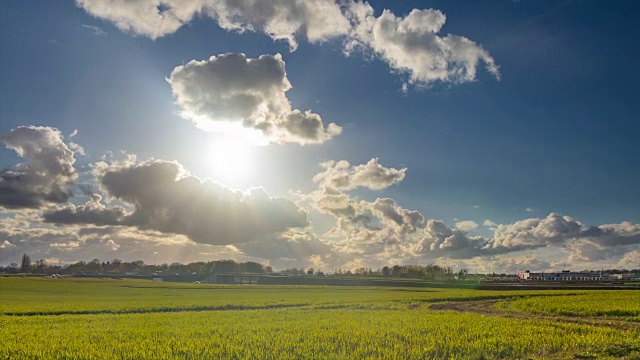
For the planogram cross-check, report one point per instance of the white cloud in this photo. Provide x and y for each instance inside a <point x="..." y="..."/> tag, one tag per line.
<point x="631" y="259"/>
<point x="489" y="223"/>
<point x="439" y="239"/>
<point x="411" y="45"/>
<point x="290" y="248"/>
<point x="6" y="245"/>
<point x="151" y="18"/>
<point x="85" y="242"/>
<point x="401" y="220"/>
<point x="385" y="231"/>
<point x="466" y="225"/>
<point x="93" y="212"/>
<point x="78" y="149"/>
<point x="313" y="20"/>
<point x="529" y="262"/>
<point x="340" y="176"/>
<point x="113" y="245"/>
<point x="65" y="245"/>
<point x="46" y="174"/>
<point x="168" y="200"/>
<point x="232" y="88"/>
<point x="97" y="31"/>
<point x="533" y="233"/>
<point x="559" y="230"/>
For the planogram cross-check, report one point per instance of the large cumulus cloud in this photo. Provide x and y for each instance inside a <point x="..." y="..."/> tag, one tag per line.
<point x="166" y="199"/>
<point x="364" y="228"/>
<point x="232" y="88"/>
<point x="45" y="175"/>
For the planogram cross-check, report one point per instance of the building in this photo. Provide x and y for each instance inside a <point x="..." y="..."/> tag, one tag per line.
<point x="233" y="278"/>
<point x="565" y="275"/>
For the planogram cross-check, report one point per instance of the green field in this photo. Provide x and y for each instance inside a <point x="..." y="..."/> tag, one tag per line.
<point x="128" y="319"/>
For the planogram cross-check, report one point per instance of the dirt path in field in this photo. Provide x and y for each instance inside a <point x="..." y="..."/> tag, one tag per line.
<point x="488" y="307"/>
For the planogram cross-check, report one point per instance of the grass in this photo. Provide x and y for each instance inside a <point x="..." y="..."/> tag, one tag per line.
<point x="595" y="303"/>
<point x="129" y="319"/>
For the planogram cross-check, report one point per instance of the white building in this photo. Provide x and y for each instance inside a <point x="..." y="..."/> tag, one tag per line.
<point x="564" y="275"/>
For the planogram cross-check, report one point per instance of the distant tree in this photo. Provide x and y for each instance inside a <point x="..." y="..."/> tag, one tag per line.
<point x="76" y="268"/>
<point x="293" y="271"/>
<point x="396" y="270"/>
<point x="40" y="265"/>
<point x="250" y="267"/>
<point x="14" y="266"/>
<point x="197" y="267"/>
<point x="310" y="271"/>
<point x="25" y="265"/>
<point x="386" y="271"/>
<point x="462" y="274"/>
<point x="138" y="264"/>
<point x="224" y="266"/>
<point x="93" y="266"/>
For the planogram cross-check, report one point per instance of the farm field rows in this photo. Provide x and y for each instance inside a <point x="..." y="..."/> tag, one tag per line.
<point x="83" y="319"/>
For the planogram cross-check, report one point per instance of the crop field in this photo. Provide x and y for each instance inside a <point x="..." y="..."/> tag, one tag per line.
<point x="136" y="319"/>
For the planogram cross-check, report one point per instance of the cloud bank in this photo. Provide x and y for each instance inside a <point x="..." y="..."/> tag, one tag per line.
<point x="166" y="199"/>
<point x="385" y="231"/>
<point x="409" y="44"/>
<point x="314" y="20"/>
<point x="159" y="202"/>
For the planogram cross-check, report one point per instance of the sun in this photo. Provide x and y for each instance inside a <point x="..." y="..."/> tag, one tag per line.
<point x="231" y="155"/>
<point x="231" y="158"/>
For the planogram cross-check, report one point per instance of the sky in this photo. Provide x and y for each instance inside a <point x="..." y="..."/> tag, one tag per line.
<point x="487" y="135"/>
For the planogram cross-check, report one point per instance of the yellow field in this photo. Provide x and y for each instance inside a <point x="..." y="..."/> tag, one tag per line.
<point x="116" y="319"/>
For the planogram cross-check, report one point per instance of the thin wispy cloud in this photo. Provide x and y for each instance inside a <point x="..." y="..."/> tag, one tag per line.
<point x="97" y="31"/>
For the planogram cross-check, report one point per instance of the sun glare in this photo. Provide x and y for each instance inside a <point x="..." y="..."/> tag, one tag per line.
<point x="231" y="158"/>
<point x="231" y="155"/>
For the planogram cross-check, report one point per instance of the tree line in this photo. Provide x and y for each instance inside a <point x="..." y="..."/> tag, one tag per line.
<point x="119" y="267"/>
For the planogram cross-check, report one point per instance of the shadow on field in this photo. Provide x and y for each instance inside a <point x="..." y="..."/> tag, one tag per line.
<point x="490" y="307"/>
<point x="228" y="307"/>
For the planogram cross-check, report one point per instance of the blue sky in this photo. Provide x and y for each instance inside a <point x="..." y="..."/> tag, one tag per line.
<point x="553" y="133"/>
